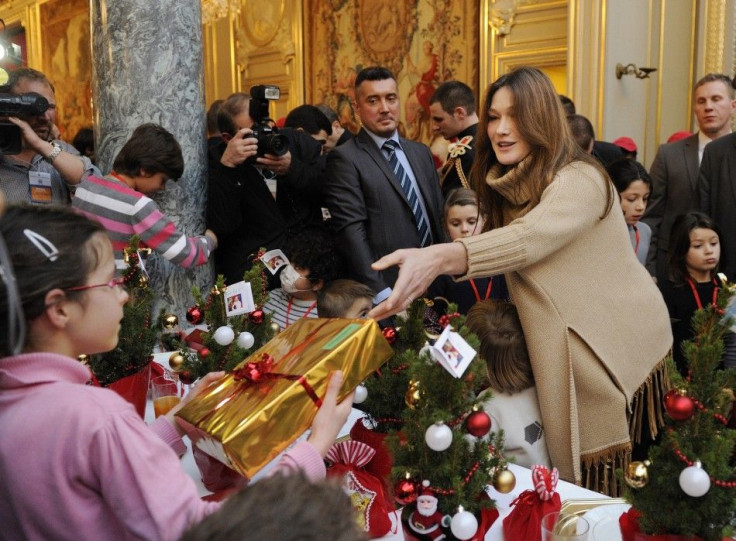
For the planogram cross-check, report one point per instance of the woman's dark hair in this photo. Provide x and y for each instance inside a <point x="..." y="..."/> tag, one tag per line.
<point x="39" y="271"/>
<point x="315" y="249"/>
<point x="680" y="243"/>
<point x="152" y="149"/>
<point x="542" y="123"/>
<point x="624" y="171"/>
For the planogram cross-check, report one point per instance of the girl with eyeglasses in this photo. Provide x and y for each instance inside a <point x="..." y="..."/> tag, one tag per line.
<point x="76" y="461"/>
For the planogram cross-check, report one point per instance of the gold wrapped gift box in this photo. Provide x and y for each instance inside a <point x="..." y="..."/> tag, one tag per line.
<point x="246" y="423"/>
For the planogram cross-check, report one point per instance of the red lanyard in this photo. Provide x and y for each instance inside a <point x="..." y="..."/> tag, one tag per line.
<point x="636" y="235"/>
<point x="288" y="310"/>
<point x="488" y="290"/>
<point x="697" y="297"/>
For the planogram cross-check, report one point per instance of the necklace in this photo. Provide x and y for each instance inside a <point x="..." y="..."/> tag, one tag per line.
<point x="488" y="289"/>
<point x="697" y="296"/>
<point x="288" y="310"/>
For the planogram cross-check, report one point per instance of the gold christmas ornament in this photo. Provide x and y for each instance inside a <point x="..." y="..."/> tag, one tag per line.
<point x="217" y="291"/>
<point x="142" y="281"/>
<point x="413" y="395"/>
<point x="169" y="321"/>
<point x="275" y="328"/>
<point x="504" y="481"/>
<point x="176" y="360"/>
<point x="83" y="358"/>
<point x="637" y="474"/>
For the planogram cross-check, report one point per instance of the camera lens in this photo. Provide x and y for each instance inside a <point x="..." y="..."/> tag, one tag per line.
<point x="276" y="144"/>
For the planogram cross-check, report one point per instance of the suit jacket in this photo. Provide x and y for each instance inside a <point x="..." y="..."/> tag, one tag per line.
<point x="717" y="186"/>
<point x="674" y="175"/>
<point x="369" y="211"/>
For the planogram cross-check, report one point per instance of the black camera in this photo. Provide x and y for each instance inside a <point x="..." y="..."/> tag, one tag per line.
<point x="22" y="106"/>
<point x="270" y="141"/>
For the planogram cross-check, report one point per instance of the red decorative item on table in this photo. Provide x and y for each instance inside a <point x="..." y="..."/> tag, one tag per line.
<point x="366" y="491"/>
<point x="134" y="388"/>
<point x="524" y="522"/>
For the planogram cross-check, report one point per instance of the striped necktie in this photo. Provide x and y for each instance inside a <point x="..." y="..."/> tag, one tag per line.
<point x="409" y="191"/>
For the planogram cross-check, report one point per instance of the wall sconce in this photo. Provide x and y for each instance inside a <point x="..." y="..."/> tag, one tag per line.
<point x="631" y="69"/>
<point x="502" y="15"/>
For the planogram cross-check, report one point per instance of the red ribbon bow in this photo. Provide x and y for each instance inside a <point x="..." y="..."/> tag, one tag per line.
<point x="254" y="371"/>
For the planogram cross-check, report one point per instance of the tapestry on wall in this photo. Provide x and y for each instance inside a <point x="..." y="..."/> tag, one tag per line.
<point x="67" y="63"/>
<point x="423" y="42"/>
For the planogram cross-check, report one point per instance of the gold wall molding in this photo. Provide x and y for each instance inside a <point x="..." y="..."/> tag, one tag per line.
<point x="538" y="37"/>
<point x="269" y="47"/>
<point x="715" y="35"/>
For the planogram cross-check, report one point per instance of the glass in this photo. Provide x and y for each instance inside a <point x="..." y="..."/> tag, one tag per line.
<point x="166" y="394"/>
<point x="564" y="527"/>
<point x="118" y="282"/>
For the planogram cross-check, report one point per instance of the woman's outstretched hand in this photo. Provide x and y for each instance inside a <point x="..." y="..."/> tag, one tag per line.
<point x="418" y="267"/>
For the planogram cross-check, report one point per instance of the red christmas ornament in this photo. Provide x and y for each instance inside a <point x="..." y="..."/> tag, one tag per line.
<point x="679" y="407"/>
<point x="406" y="491"/>
<point x="195" y="316"/>
<point x="256" y="316"/>
<point x="478" y="423"/>
<point x="186" y="377"/>
<point x="204" y="353"/>
<point x="389" y="333"/>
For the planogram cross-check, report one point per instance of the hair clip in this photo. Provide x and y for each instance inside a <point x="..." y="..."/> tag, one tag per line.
<point x="44" y="245"/>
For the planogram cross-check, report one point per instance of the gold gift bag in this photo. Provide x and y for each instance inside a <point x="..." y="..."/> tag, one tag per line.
<point x="253" y="413"/>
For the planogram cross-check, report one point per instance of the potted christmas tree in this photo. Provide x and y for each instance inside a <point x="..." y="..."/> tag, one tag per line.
<point x="687" y="488"/>
<point x="126" y="369"/>
<point x="227" y="340"/>
<point x="441" y="461"/>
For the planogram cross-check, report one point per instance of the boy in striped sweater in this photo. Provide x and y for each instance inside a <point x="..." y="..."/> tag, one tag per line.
<point x="119" y="200"/>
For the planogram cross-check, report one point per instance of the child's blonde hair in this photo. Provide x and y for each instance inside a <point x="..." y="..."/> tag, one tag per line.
<point x="336" y="297"/>
<point x="502" y="345"/>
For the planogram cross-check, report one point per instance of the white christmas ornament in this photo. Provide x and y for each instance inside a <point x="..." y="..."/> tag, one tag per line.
<point x="224" y="335"/>
<point x="361" y="393"/>
<point x="464" y="524"/>
<point x="246" y="340"/>
<point x="438" y="436"/>
<point x="694" y="480"/>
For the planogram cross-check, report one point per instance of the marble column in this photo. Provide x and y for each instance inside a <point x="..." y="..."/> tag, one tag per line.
<point x="147" y="67"/>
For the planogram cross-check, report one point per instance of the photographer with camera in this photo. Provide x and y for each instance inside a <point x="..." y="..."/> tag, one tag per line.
<point x="43" y="170"/>
<point x="241" y="209"/>
<point x="260" y="186"/>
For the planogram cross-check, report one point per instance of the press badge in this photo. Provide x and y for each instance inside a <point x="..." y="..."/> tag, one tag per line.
<point x="40" y="183"/>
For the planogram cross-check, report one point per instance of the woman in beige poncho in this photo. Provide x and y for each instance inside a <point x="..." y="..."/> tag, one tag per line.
<point x="596" y="326"/>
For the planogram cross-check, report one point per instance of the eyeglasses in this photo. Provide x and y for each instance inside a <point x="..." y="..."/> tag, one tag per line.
<point x="116" y="282"/>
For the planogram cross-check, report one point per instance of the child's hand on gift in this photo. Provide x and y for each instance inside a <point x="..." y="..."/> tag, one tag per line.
<point x="331" y="416"/>
<point x="195" y="390"/>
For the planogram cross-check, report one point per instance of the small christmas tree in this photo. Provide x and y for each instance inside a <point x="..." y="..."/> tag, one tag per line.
<point x="438" y="428"/>
<point x="137" y="333"/>
<point x="688" y="485"/>
<point x="227" y="340"/>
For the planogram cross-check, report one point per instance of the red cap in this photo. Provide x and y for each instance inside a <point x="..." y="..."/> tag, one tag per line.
<point x="426" y="490"/>
<point x="627" y="143"/>
<point x="678" y="135"/>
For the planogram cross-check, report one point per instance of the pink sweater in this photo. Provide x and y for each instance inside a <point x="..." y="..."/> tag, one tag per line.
<point x="76" y="461"/>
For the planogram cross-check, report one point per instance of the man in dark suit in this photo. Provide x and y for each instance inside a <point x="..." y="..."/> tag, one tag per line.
<point x="364" y="191"/>
<point x="674" y="171"/>
<point x="452" y="110"/>
<point x="717" y="184"/>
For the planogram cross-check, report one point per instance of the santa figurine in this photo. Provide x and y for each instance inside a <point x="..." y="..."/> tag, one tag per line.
<point x="425" y="519"/>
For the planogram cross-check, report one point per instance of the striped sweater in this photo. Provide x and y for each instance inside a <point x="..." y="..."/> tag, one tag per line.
<point x="125" y="212"/>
